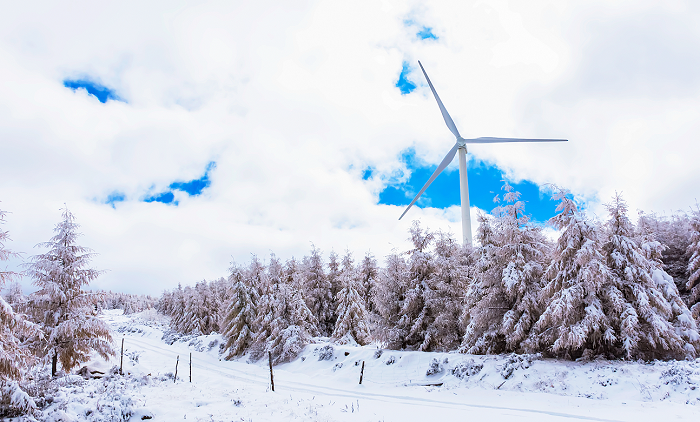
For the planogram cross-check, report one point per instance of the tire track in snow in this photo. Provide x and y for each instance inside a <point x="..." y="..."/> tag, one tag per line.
<point x="335" y="392"/>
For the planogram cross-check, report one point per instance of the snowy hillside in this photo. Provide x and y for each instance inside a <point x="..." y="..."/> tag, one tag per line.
<point x="322" y="384"/>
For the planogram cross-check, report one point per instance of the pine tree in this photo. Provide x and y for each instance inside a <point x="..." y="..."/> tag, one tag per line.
<point x="388" y="298"/>
<point x="65" y="312"/>
<point x="183" y="320"/>
<point x="681" y="316"/>
<point x="483" y="299"/>
<point x="200" y="309"/>
<point x="293" y="324"/>
<point x="639" y="311"/>
<point x="415" y="316"/>
<point x="266" y="307"/>
<point x="334" y="272"/>
<point x="368" y="273"/>
<point x="14" y="355"/>
<point x="444" y="292"/>
<point x="317" y="291"/>
<point x="237" y="325"/>
<point x="693" y="284"/>
<point x="674" y="234"/>
<point x="15" y="295"/>
<point x="502" y="303"/>
<point x="177" y="308"/>
<point x="351" y="325"/>
<point x="574" y="321"/>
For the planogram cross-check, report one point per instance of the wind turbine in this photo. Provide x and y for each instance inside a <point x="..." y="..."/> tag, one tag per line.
<point x="461" y="146"/>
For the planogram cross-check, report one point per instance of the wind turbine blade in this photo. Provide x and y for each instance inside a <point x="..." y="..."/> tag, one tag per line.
<point x="443" y="110"/>
<point x="445" y="162"/>
<point x="489" y="140"/>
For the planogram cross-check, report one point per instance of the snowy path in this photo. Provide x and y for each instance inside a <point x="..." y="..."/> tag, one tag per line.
<point x="223" y="390"/>
<point x="261" y="380"/>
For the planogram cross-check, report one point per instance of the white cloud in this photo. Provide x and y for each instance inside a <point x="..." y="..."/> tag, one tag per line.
<point x="294" y="100"/>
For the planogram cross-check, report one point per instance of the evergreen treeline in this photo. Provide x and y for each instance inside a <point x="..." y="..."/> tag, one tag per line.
<point x="604" y="288"/>
<point x="129" y="303"/>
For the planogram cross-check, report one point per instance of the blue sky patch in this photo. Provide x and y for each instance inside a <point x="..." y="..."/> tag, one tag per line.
<point x="101" y="92"/>
<point x="115" y="197"/>
<point x="485" y="182"/>
<point x="367" y="173"/>
<point x="196" y="186"/>
<point x="426" y="33"/>
<point x="164" y="197"/>
<point x="403" y="84"/>
<point x="192" y="188"/>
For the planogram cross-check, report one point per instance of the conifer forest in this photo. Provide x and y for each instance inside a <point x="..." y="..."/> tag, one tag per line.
<point x="609" y="288"/>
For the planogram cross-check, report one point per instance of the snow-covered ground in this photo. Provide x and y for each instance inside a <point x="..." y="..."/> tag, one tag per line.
<point x="322" y="385"/>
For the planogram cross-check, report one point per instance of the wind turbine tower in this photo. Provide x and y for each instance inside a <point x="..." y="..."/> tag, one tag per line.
<point x="461" y="146"/>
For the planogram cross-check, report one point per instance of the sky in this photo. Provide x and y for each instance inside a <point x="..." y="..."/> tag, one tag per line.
<point x="187" y="135"/>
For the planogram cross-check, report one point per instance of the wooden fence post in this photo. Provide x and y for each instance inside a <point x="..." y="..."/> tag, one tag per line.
<point x="121" y="362"/>
<point x="272" y="379"/>
<point x="362" y="371"/>
<point x="176" y="363"/>
<point x="190" y="366"/>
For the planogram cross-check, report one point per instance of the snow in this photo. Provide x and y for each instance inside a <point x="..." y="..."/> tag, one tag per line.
<point x="322" y="385"/>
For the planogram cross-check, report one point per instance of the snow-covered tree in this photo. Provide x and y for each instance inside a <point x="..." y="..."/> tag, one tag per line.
<point x="266" y="307"/>
<point x="681" y="317"/>
<point x="414" y="315"/>
<point x="14" y="294"/>
<point x="576" y="319"/>
<point x="674" y="233"/>
<point x="293" y="324"/>
<point x="388" y="297"/>
<point x="240" y="315"/>
<point x="284" y="324"/>
<point x="317" y="290"/>
<point x="352" y="323"/>
<point x="501" y="303"/>
<point x="444" y="293"/>
<point x="334" y="272"/>
<point x="64" y="311"/>
<point x="129" y="303"/>
<point x="410" y="321"/>
<point x="693" y="250"/>
<point x="14" y="355"/>
<point x="183" y="318"/>
<point x="176" y="307"/>
<point x="196" y="310"/>
<point x="641" y="315"/>
<point x="368" y="273"/>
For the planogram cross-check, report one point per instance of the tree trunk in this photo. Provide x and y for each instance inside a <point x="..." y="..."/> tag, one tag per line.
<point x="54" y="361"/>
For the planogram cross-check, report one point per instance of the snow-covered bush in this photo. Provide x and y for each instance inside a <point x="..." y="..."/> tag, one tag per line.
<point x="467" y="369"/>
<point x="515" y="362"/>
<point x="435" y="368"/>
<point x="325" y="352"/>
<point x="14" y="401"/>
